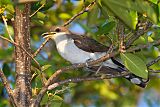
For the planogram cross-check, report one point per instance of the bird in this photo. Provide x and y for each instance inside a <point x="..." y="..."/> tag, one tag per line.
<point x="77" y="49"/>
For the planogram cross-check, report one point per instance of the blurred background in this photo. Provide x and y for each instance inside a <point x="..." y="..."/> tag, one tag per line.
<point x="100" y="23"/>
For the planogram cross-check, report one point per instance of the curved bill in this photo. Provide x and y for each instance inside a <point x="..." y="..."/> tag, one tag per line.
<point x="48" y="34"/>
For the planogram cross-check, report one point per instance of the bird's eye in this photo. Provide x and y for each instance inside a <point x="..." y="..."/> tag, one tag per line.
<point x="57" y="30"/>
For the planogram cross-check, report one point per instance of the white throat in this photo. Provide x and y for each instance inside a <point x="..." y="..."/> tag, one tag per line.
<point x="59" y="37"/>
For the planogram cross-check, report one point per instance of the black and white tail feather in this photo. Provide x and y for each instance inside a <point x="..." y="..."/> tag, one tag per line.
<point x="131" y="77"/>
<point x="139" y="81"/>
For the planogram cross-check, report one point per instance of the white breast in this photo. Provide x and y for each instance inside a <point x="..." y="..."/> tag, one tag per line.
<point x="69" y="51"/>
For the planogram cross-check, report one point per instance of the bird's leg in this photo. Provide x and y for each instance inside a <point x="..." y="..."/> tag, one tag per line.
<point x="88" y="60"/>
<point x="99" y="68"/>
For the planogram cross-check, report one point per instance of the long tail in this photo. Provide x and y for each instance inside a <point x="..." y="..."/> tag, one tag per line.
<point x="132" y="77"/>
<point x="139" y="81"/>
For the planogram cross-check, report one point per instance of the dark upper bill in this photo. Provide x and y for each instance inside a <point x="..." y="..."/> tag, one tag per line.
<point x="48" y="34"/>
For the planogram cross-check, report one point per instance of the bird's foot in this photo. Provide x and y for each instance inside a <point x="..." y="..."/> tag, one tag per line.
<point x="87" y="61"/>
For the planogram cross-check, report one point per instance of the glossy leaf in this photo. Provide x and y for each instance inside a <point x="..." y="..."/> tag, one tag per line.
<point x="41" y="15"/>
<point x="47" y="4"/>
<point x="6" y="69"/>
<point x="45" y="67"/>
<point x="106" y="28"/>
<point x="125" y="15"/>
<point x="64" y="16"/>
<point x="135" y="65"/>
<point x="6" y="54"/>
<point x="122" y="8"/>
<point x="57" y="98"/>
<point x="159" y="10"/>
<point x="154" y="1"/>
<point x="56" y="104"/>
<point x="93" y="16"/>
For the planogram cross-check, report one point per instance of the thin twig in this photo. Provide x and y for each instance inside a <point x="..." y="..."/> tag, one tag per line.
<point x="141" y="30"/>
<point x="6" y="26"/>
<point x="7" y="86"/>
<point x="154" y="61"/>
<point x="80" y="79"/>
<point x="154" y="71"/>
<point x="120" y="32"/>
<point x="14" y="43"/>
<point x="61" y="91"/>
<point x="37" y="10"/>
<point x="157" y="42"/>
<point x="40" y="48"/>
<point x="81" y="12"/>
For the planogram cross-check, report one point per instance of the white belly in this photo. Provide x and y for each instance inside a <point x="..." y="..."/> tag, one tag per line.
<point x="69" y="51"/>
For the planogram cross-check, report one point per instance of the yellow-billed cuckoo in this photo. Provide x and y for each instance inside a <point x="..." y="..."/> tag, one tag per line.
<point x="80" y="49"/>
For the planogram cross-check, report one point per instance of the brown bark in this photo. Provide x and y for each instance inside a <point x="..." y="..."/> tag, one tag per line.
<point x="23" y="90"/>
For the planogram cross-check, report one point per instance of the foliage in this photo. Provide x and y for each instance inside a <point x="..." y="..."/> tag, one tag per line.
<point x="101" y="23"/>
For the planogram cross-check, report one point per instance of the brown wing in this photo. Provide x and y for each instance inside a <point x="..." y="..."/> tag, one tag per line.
<point x="88" y="44"/>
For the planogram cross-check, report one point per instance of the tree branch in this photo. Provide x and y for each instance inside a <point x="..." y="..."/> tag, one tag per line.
<point x="154" y="61"/>
<point x="22" y="91"/>
<point x="120" y="33"/>
<point x="40" y="48"/>
<point x="154" y="71"/>
<point x="157" y="42"/>
<point x="7" y="86"/>
<point x="80" y="79"/>
<point x="37" y="10"/>
<point x="5" y="23"/>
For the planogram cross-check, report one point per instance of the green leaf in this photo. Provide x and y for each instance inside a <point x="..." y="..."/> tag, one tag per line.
<point x="154" y="1"/>
<point x="56" y="104"/>
<point x="10" y="8"/>
<point x="45" y="67"/>
<point x="159" y="10"/>
<point x="47" y="4"/>
<point x="104" y="10"/>
<point x="106" y="28"/>
<point x="64" y="16"/>
<point x="127" y="16"/>
<point x="41" y="15"/>
<point x="144" y="7"/>
<point x="140" y="40"/>
<point x="72" y="84"/>
<point x="122" y="9"/>
<point x="135" y="65"/>
<point x="57" y="98"/>
<point x="5" y="2"/>
<point x="86" y="28"/>
<point x="92" y="17"/>
<point x="44" y="99"/>
<point x="6" y="69"/>
<point x="6" y="54"/>
<point x="34" y="69"/>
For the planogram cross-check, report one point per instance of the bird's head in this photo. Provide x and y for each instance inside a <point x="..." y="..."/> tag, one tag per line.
<point x="56" y="32"/>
